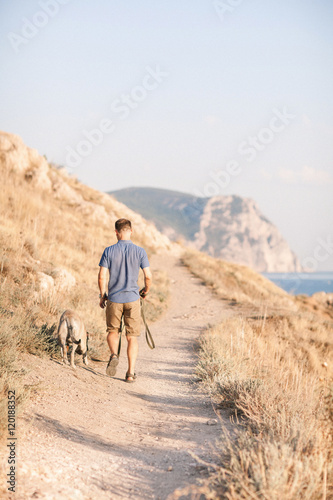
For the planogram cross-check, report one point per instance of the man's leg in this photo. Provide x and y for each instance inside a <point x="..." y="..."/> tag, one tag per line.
<point x="113" y="319"/>
<point x="114" y="313"/>
<point x="132" y="318"/>
<point x="113" y="342"/>
<point x="132" y="353"/>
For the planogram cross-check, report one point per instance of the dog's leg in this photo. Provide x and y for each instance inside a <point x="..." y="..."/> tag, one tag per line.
<point x="84" y="346"/>
<point x="63" y="349"/>
<point x="85" y="358"/>
<point x="74" y="347"/>
<point x="62" y="339"/>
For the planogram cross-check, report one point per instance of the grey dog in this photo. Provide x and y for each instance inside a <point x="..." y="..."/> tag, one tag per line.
<point x="71" y="329"/>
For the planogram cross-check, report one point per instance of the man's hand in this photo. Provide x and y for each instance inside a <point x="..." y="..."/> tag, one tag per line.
<point x="102" y="301"/>
<point x="148" y="279"/>
<point x="102" y="278"/>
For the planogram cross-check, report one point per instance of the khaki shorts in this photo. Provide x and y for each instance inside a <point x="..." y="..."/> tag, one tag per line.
<point x="132" y="317"/>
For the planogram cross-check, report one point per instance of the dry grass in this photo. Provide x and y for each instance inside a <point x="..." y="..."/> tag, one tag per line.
<point x="282" y="445"/>
<point x="273" y="373"/>
<point x="39" y="233"/>
<point x="236" y="283"/>
<point x="19" y="333"/>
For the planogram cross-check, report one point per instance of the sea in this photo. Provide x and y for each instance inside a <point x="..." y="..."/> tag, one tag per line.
<point x="303" y="283"/>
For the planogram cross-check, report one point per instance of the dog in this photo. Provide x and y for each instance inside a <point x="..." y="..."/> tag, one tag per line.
<point x="71" y="329"/>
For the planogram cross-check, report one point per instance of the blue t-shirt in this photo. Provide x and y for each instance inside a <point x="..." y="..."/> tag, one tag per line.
<point x="124" y="260"/>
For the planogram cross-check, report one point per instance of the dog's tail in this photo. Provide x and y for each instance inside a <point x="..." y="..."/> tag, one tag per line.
<point x="65" y="330"/>
<point x="70" y="336"/>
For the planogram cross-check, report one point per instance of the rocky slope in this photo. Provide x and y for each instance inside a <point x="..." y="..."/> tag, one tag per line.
<point x="27" y="165"/>
<point x="228" y="227"/>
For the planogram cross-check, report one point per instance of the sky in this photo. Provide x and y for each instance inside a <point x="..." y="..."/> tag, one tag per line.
<point x="208" y="97"/>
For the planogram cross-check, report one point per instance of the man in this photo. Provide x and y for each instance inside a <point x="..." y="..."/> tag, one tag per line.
<point x="123" y="261"/>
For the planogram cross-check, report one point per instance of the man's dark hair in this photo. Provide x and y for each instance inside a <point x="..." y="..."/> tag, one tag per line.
<point x="123" y="224"/>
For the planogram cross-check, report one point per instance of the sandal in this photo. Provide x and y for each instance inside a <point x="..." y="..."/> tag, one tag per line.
<point x="111" y="369"/>
<point x="130" y="375"/>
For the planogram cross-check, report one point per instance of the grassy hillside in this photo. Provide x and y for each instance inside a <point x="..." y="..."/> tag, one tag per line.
<point x="236" y="283"/>
<point x="53" y="230"/>
<point x="271" y="367"/>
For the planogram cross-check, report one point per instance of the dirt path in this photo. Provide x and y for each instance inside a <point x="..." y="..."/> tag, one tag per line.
<point x="88" y="436"/>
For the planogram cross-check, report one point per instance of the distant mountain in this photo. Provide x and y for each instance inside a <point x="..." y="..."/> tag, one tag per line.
<point x="229" y="227"/>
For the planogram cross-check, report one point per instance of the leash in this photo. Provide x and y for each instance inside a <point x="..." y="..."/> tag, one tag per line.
<point x="149" y="337"/>
<point x="122" y="329"/>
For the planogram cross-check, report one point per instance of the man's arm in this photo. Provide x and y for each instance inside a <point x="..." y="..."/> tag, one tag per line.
<point x="148" y="281"/>
<point x="102" y="283"/>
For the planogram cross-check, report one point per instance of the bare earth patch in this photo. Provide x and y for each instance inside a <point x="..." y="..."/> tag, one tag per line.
<point x="88" y="436"/>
